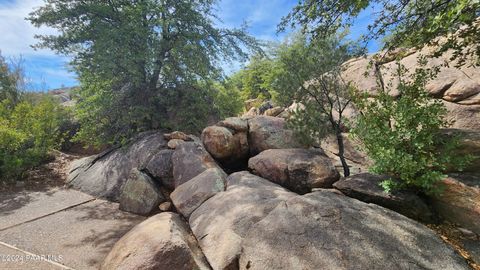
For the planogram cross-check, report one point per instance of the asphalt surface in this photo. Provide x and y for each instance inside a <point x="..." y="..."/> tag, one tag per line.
<point x="58" y="229"/>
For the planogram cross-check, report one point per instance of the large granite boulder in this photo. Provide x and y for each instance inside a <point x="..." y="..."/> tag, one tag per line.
<point x="222" y="221"/>
<point x="189" y="160"/>
<point x="160" y="167"/>
<point x="236" y="124"/>
<point x="105" y="174"/>
<point x="225" y="144"/>
<point x="356" y="159"/>
<point x="366" y="187"/>
<point x="162" y="242"/>
<point x="459" y="202"/>
<point x="189" y="196"/>
<point x="324" y="230"/>
<point x="458" y="87"/>
<point x="296" y="169"/>
<point x="267" y="132"/>
<point x="140" y="195"/>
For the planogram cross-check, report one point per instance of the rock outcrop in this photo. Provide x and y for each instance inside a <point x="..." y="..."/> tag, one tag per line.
<point x="189" y="160"/>
<point x="140" y="195"/>
<point x="366" y="187"/>
<point x="267" y="132"/>
<point x="225" y="144"/>
<point x="160" y="167"/>
<point x="324" y="230"/>
<point x="460" y="203"/>
<point x="189" y="196"/>
<point x="162" y="242"/>
<point x="459" y="88"/>
<point x="222" y="221"/>
<point x="105" y="174"/>
<point x="297" y="169"/>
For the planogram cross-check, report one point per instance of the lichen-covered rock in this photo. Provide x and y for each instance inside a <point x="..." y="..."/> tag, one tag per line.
<point x="105" y="174"/>
<point x="140" y="195"/>
<point x="189" y="160"/>
<point x="162" y="242"/>
<point x="366" y="187"/>
<point x="324" y="230"/>
<point x="267" y="132"/>
<point x="190" y="195"/>
<point x="160" y="167"/>
<point x="297" y="169"/>
<point x="221" y="222"/>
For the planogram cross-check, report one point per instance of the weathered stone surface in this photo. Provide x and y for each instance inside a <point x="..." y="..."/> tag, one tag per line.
<point x="174" y="143"/>
<point x="252" y="112"/>
<point x="234" y="123"/>
<point x="160" y="167"/>
<point x="221" y="222"/>
<point x="190" y="195"/>
<point x="224" y="144"/>
<point x="160" y="242"/>
<point x="105" y="174"/>
<point x="459" y="203"/>
<point x="366" y="187"/>
<point x="297" y="169"/>
<point x="463" y="116"/>
<point x="189" y="160"/>
<point x="165" y="206"/>
<point x="140" y="195"/>
<point x="267" y="132"/>
<point x="177" y="135"/>
<point x="324" y="230"/>
<point x="458" y="87"/>
<point x="275" y="111"/>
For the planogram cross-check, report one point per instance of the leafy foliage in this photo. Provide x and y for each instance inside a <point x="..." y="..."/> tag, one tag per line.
<point x="137" y="53"/>
<point x="311" y="74"/>
<point x="27" y="134"/>
<point x="28" y="129"/>
<point x="408" y="23"/>
<point x="402" y="135"/>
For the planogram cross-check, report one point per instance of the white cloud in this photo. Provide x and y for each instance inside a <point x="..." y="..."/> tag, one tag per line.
<point x="17" y="34"/>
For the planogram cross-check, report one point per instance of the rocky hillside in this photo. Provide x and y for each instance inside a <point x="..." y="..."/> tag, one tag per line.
<point x="248" y="195"/>
<point x="457" y="87"/>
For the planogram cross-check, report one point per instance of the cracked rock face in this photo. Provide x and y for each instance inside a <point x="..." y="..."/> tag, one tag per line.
<point x="222" y="221"/>
<point x="160" y="242"/>
<point x="459" y="88"/>
<point x="324" y="230"/>
<point x="105" y="174"/>
<point x="299" y="170"/>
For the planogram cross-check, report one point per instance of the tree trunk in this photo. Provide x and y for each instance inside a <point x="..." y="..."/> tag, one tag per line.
<point x="341" y="151"/>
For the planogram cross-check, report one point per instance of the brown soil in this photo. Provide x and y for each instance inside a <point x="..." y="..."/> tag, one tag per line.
<point x="52" y="173"/>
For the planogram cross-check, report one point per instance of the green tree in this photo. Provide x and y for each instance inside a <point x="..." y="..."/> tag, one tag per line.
<point x="402" y="135"/>
<point x="144" y="50"/>
<point x="310" y="72"/>
<point x="407" y="22"/>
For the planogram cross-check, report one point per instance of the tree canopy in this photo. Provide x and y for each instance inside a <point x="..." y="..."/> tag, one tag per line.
<point x="141" y="51"/>
<point x="406" y="22"/>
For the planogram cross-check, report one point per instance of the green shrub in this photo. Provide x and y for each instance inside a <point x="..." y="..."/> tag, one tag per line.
<point x="401" y="136"/>
<point x="27" y="133"/>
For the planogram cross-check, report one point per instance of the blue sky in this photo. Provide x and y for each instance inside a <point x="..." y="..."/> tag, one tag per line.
<point x="47" y="70"/>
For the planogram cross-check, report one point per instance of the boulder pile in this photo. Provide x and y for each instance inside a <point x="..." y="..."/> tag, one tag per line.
<point x="285" y="207"/>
